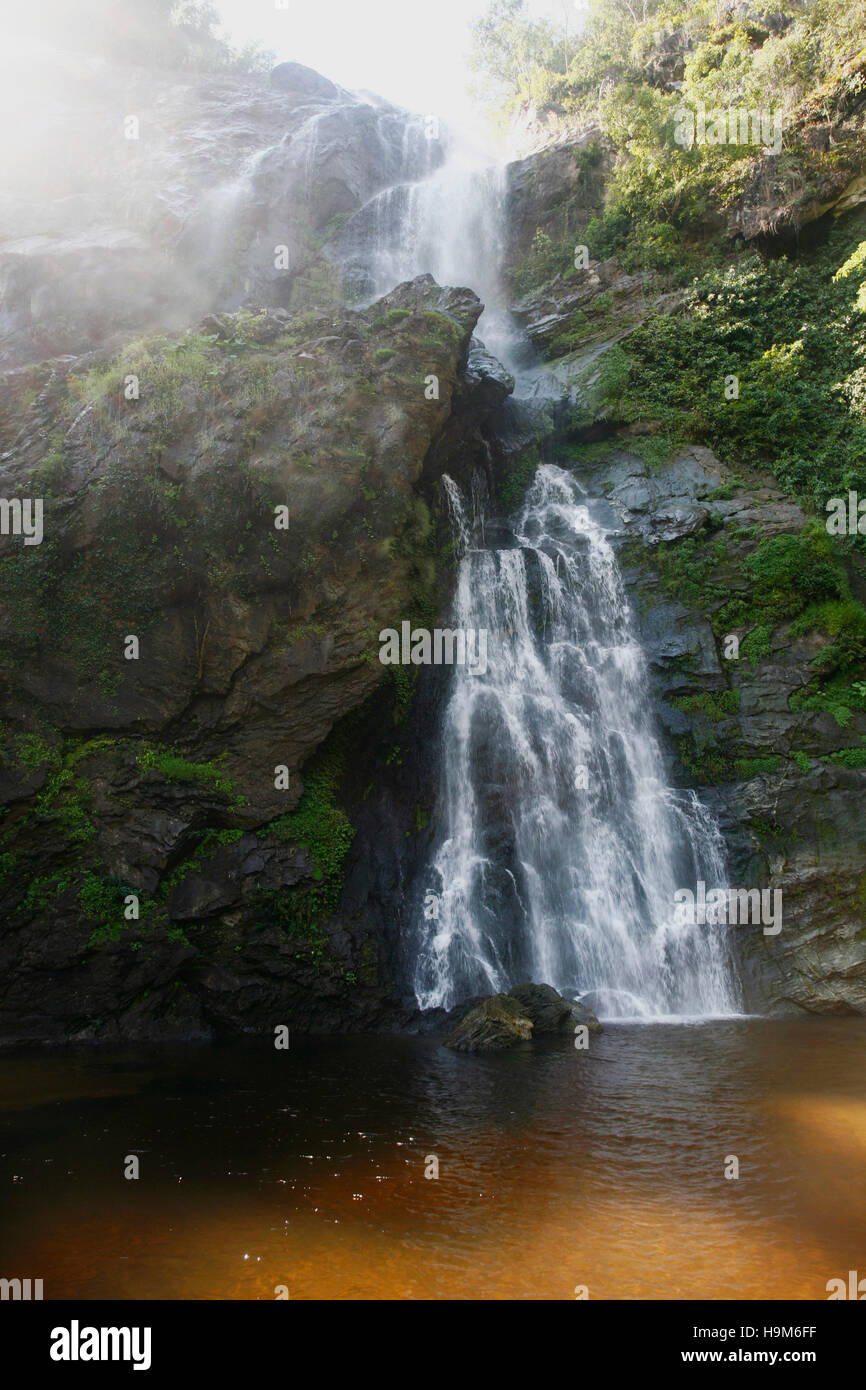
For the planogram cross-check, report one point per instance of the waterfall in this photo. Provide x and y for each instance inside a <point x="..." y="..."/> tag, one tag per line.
<point x="561" y="845"/>
<point x="452" y="226"/>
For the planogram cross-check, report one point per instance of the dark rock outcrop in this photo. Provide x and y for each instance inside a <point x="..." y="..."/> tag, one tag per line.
<point x="169" y="863"/>
<point x="557" y="188"/>
<point x="551" y="1012"/>
<point x="491" y="1026"/>
<point x="527" y="1011"/>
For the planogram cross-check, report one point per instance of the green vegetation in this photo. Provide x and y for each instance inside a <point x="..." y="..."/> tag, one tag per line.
<point x="707" y="761"/>
<point x="791" y="329"/>
<point x="32" y="751"/>
<point x="798" y="577"/>
<point x="66" y="796"/>
<point x="513" y="488"/>
<point x="613" y="71"/>
<point x="714" y="705"/>
<point x="174" y="768"/>
<point x="42" y="891"/>
<point x="710" y="760"/>
<point x="754" y="767"/>
<point x="546" y="259"/>
<point x="207" y="844"/>
<point x="793" y="336"/>
<point x="847" y="757"/>
<point x="321" y="825"/>
<point x="102" y="900"/>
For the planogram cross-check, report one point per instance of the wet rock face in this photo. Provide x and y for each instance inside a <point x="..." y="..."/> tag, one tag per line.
<point x="803" y="833"/>
<point x="139" y="202"/>
<point x="179" y="786"/>
<point x="557" y="187"/>
<point x="303" y="83"/>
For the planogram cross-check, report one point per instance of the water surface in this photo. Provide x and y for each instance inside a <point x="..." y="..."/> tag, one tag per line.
<point x="558" y="1168"/>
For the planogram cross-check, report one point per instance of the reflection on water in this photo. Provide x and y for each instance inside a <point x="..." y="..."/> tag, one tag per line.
<point x="557" y="1167"/>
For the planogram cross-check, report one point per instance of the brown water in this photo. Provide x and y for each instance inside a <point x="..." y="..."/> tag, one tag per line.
<point x="557" y="1168"/>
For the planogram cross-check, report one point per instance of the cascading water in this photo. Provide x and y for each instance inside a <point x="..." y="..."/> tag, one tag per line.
<point x="561" y="844"/>
<point x="450" y="226"/>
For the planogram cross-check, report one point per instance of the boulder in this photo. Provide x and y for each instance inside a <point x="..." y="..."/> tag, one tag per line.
<point x="487" y="377"/>
<point x="494" y="1024"/>
<point x="300" y="82"/>
<point x="551" y="1012"/>
<point x="527" y="1011"/>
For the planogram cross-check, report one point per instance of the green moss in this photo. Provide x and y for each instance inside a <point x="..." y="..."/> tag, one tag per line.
<point x="513" y="488"/>
<point x="65" y="799"/>
<point x="847" y="757"/>
<point x="321" y="825"/>
<point x="384" y="354"/>
<point x="757" y="645"/>
<point x="725" y="492"/>
<point x="102" y="900"/>
<point x="544" y="261"/>
<point x="53" y="471"/>
<point x="590" y="453"/>
<point x="318" y="284"/>
<point x="163" y="367"/>
<point x="707" y="761"/>
<point x="174" y="768"/>
<point x="42" y="891"/>
<point x="800" y="578"/>
<point x="844" y="621"/>
<point x="747" y="768"/>
<point x="839" y="696"/>
<point x="32" y="751"/>
<point x="789" y="572"/>
<point x="208" y="842"/>
<point x="569" y="337"/>
<point x="802" y="762"/>
<point x="715" y="705"/>
<point x="656" y="449"/>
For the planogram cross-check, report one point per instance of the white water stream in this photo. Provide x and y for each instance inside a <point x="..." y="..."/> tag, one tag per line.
<point x="560" y="845"/>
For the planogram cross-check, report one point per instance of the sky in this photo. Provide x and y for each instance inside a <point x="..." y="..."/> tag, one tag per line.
<point x="413" y="52"/>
